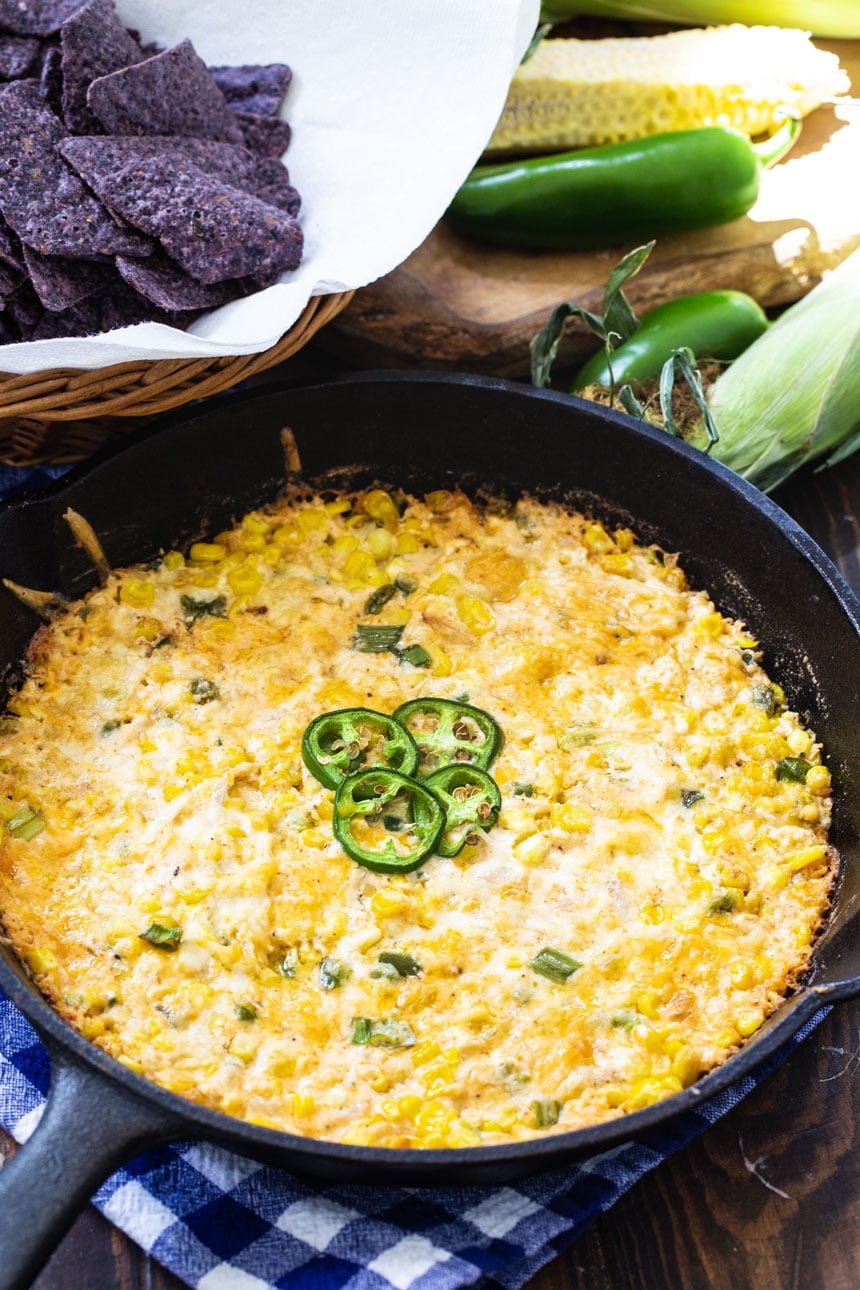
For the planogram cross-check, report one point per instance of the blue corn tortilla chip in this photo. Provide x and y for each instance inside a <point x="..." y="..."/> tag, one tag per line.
<point x="17" y="56"/>
<point x="170" y="93"/>
<point x="94" y="43"/>
<point x="41" y="197"/>
<point x="51" y="79"/>
<point x="262" y="177"/>
<point x="168" y="287"/>
<point x="10" y="279"/>
<point x="36" y="17"/>
<point x="61" y="283"/>
<point x="268" y="136"/>
<point x="10" y="247"/>
<point x="123" y="307"/>
<point x="212" y="231"/>
<point x="258" y="88"/>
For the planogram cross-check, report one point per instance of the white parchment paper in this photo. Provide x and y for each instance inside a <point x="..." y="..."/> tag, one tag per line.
<point x="391" y="103"/>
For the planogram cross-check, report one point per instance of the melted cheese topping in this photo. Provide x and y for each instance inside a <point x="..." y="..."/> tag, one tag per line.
<point x="153" y="755"/>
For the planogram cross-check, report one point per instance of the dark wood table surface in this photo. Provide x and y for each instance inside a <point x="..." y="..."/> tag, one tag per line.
<point x="767" y="1199"/>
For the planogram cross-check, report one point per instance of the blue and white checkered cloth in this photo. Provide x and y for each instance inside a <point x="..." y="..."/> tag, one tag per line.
<point x="221" y="1222"/>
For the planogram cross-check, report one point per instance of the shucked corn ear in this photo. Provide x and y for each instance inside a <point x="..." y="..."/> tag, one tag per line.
<point x="821" y="17"/>
<point x="583" y="93"/>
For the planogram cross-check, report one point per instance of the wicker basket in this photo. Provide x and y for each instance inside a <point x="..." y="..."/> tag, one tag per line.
<point x="66" y="414"/>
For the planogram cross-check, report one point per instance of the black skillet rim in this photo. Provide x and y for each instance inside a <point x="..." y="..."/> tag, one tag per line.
<point x="555" y="1149"/>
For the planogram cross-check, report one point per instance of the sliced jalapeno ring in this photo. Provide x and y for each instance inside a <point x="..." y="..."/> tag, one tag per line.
<point x="339" y="743"/>
<point x="376" y="797"/>
<point x="449" y="733"/>
<point x="471" y="800"/>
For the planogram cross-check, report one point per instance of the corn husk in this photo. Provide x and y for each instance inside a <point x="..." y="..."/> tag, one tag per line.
<point x="821" y="17"/>
<point x="794" y="395"/>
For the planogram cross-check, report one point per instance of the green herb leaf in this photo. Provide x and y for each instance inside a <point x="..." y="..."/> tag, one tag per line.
<point x="415" y="655"/>
<point x="245" y="1012"/>
<point x="165" y="938"/>
<point x="332" y="974"/>
<point x="725" y="904"/>
<point x="690" y="796"/>
<point x="555" y="965"/>
<point x="370" y="639"/>
<point x="523" y="790"/>
<point x="194" y="609"/>
<point x="546" y="1112"/>
<point x="26" y="824"/>
<point x="386" y="1033"/>
<point x="792" y="770"/>
<point x="204" y="691"/>
<point x="378" y="599"/>
<point x="403" y="964"/>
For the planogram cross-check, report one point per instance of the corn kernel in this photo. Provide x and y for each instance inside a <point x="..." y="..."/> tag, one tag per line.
<point x="648" y="1003"/>
<point x="368" y="939"/>
<point x="571" y="818"/>
<point x="148" y="629"/>
<point x="385" y="904"/>
<point x="207" y="552"/>
<point x="380" y="544"/>
<point x="818" y="781"/>
<point x="313" y="522"/>
<point x="439" y="501"/>
<point x="303" y="1105"/>
<point x="137" y="592"/>
<point x="514" y="961"/>
<point x="244" y="1047"/>
<point x="343" y="546"/>
<point x="359" y="564"/>
<point x="616" y="562"/>
<point x="742" y="975"/>
<point x="443" y="584"/>
<point x="170" y="792"/>
<point x="380" y="506"/>
<point x="532" y="850"/>
<point x="245" y="581"/>
<point x="798" y="860"/>
<point x="709" y="625"/>
<point x="407" y="544"/>
<point x="597" y="540"/>
<point x="749" y="1021"/>
<point x="173" y="560"/>
<point x="475" y="614"/>
<point x="441" y="664"/>
<point x="379" y="1082"/>
<point x="40" y="959"/>
<point x="652" y="914"/>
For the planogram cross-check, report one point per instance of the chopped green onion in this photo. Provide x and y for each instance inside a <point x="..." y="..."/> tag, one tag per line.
<point x="332" y="973"/>
<point x="109" y="727"/>
<point x="378" y="599"/>
<point x="194" y="609"/>
<point x="204" y="691"/>
<point x="416" y="655"/>
<point x="387" y="1033"/>
<point x="26" y="824"/>
<point x="578" y="737"/>
<point x="370" y="639"/>
<point x="523" y="790"/>
<point x="792" y="770"/>
<point x="384" y="972"/>
<point x="403" y="964"/>
<point x="245" y="1012"/>
<point x="690" y="796"/>
<point x="624" y="1020"/>
<point x="166" y="938"/>
<point x="546" y="1112"/>
<point x="406" y="585"/>
<point x="511" y="1077"/>
<point x="555" y="965"/>
<point x="725" y="904"/>
<point x="287" y="964"/>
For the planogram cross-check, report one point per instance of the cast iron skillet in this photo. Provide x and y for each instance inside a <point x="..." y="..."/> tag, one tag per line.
<point x="196" y="472"/>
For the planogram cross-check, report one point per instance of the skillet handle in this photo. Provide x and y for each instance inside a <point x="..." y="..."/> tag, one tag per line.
<point x="89" y="1127"/>
<point x="837" y="991"/>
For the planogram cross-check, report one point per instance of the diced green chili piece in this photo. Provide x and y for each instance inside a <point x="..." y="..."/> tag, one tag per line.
<point x="725" y="904"/>
<point x="546" y="1112"/>
<point x="416" y="655"/>
<point x="375" y="794"/>
<point x="624" y="1020"/>
<point x="405" y="585"/>
<point x="164" y="938"/>
<point x="287" y="964"/>
<point x="690" y="796"/>
<point x="554" y="964"/>
<point x="763" y="697"/>
<point x="332" y="973"/>
<point x="204" y="690"/>
<point x="384" y="972"/>
<point x="471" y="801"/>
<point x="386" y="1033"/>
<point x="338" y="744"/>
<point x="245" y="1012"/>
<point x="379" y="598"/>
<point x="26" y="824"/>
<point x="578" y="737"/>
<point x="403" y="964"/>
<point x="372" y="639"/>
<point x="448" y="731"/>
<point x="194" y="609"/>
<point x="523" y="790"/>
<point x="792" y="770"/>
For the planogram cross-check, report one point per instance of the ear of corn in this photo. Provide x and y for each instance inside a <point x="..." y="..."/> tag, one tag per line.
<point x="583" y="93"/>
<point x="821" y="17"/>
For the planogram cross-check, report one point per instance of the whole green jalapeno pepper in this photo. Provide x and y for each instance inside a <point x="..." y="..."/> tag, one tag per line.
<point x="713" y="324"/>
<point x="664" y="183"/>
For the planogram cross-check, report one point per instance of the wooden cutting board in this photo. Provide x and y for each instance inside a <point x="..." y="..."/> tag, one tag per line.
<point x="455" y="303"/>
